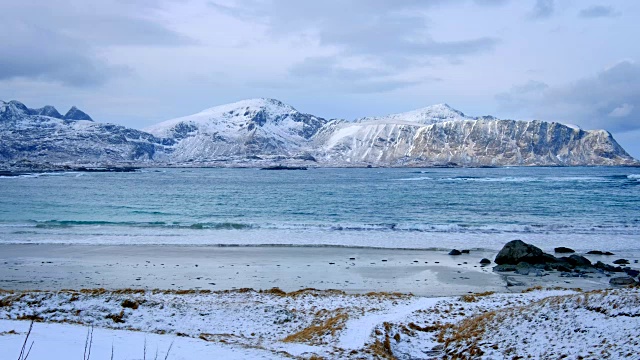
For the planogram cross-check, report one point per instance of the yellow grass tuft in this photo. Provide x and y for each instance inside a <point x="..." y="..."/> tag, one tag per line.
<point x="314" y="333"/>
<point x="474" y="297"/>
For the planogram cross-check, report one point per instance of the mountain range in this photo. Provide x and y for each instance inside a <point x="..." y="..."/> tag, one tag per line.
<point x="261" y="131"/>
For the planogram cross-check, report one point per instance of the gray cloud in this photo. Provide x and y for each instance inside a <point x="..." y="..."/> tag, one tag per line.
<point x="542" y="9"/>
<point x="609" y="100"/>
<point x="327" y="71"/>
<point x="491" y="2"/>
<point x="394" y="36"/>
<point x="60" y="41"/>
<point x="597" y="11"/>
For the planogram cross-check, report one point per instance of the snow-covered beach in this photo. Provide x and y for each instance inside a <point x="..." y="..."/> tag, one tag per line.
<point x="311" y="324"/>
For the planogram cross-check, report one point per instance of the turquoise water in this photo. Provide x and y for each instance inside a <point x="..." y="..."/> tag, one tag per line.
<point x="404" y="208"/>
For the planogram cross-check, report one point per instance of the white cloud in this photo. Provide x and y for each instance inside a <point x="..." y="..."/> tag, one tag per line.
<point x="622" y="111"/>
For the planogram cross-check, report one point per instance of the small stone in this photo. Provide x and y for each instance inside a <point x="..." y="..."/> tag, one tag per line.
<point x="465" y="251"/>
<point x="563" y="250"/>
<point x="621" y="262"/>
<point x="455" y="252"/>
<point x="513" y="282"/>
<point x="485" y="261"/>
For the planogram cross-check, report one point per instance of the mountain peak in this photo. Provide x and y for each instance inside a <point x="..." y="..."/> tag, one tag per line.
<point x="272" y="106"/>
<point x="47" y="110"/>
<point x="76" y="114"/>
<point x="426" y="115"/>
<point x="13" y="110"/>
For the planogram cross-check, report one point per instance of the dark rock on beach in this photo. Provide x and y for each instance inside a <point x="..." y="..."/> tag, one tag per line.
<point x="598" y="252"/>
<point x="465" y="251"/>
<point x="622" y="281"/>
<point x="485" y="261"/>
<point x="621" y="262"/>
<point x="517" y="251"/>
<point x="504" y="267"/>
<point x="513" y="282"/>
<point x="577" y="260"/>
<point x="607" y="267"/>
<point x="523" y="268"/>
<point x="631" y="272"/>
<point x="563" y="250"/>
<point x="455" y="252"/>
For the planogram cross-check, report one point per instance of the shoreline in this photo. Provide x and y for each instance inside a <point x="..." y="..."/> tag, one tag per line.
<point x="425" y="273"/>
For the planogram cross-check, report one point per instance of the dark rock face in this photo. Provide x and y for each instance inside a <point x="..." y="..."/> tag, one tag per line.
<point x="48" y="110"/>
<point x="563" y="250"/>
<point x="455" y="252"/>
<point x="76" y="114"/>
<point x="622" y="281"/>
<point x="517" y="251"/>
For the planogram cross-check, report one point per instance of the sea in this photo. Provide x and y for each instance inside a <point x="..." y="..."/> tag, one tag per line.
<point x="586" y="208"/>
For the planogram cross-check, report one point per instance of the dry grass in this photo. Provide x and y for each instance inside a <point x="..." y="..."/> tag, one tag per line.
<point x="462" y="340"/>
<point x="474" y="297"/>
<point x="531" y="289"/>
<point x="131" y="304"/>
<point x="381" y="350"/>
<point x="319" y="328"/>
<point x="117" y="318"/>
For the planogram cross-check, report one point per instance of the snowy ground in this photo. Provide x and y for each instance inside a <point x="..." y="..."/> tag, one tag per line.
<point x="247" y="324"/>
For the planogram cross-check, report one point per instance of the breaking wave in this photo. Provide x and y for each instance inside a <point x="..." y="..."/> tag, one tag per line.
<point x="95" y="226"/>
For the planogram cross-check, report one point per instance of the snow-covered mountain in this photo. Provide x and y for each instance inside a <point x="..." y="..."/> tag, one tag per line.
<point x="472" y="142"/>
<point x="245" y="128"/>
<point x="43" y="135"/>
<point x="428" y="115"/>
<point x="259" y="131"/>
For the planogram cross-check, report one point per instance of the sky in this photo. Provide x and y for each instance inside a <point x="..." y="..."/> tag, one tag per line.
<point x="137" y="63"/>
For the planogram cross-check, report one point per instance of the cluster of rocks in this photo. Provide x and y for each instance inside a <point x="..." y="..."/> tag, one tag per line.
<point x="455" y="252"/>
<point x="526" y="259"/>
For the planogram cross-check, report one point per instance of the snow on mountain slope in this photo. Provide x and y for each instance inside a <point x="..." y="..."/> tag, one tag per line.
<point x="428" y="115"/>
<point x="27" y="135"/>
<point x="427" y="137"/>
<point x="245" y="131"/>
<point x="248" y="127"/>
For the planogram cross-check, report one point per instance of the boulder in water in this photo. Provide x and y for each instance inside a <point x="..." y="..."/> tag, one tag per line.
<point x="563" y="250"/>
<point x="455" y="252"/>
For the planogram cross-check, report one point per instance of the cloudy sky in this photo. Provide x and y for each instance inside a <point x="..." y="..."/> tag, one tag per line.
<point x="140" y="62"/>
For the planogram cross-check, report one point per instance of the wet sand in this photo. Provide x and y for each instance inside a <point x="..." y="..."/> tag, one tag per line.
<point x="354" y="270"/>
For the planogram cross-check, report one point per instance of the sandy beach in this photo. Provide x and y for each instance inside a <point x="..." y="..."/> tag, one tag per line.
<point x="353" y="270"/>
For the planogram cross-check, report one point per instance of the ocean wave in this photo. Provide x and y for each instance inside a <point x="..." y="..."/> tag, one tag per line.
<point x="515" y="179"/>
<point x="635" y="177"/>
<point x="461" y="228"/>
<point x="415" y="179"/>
